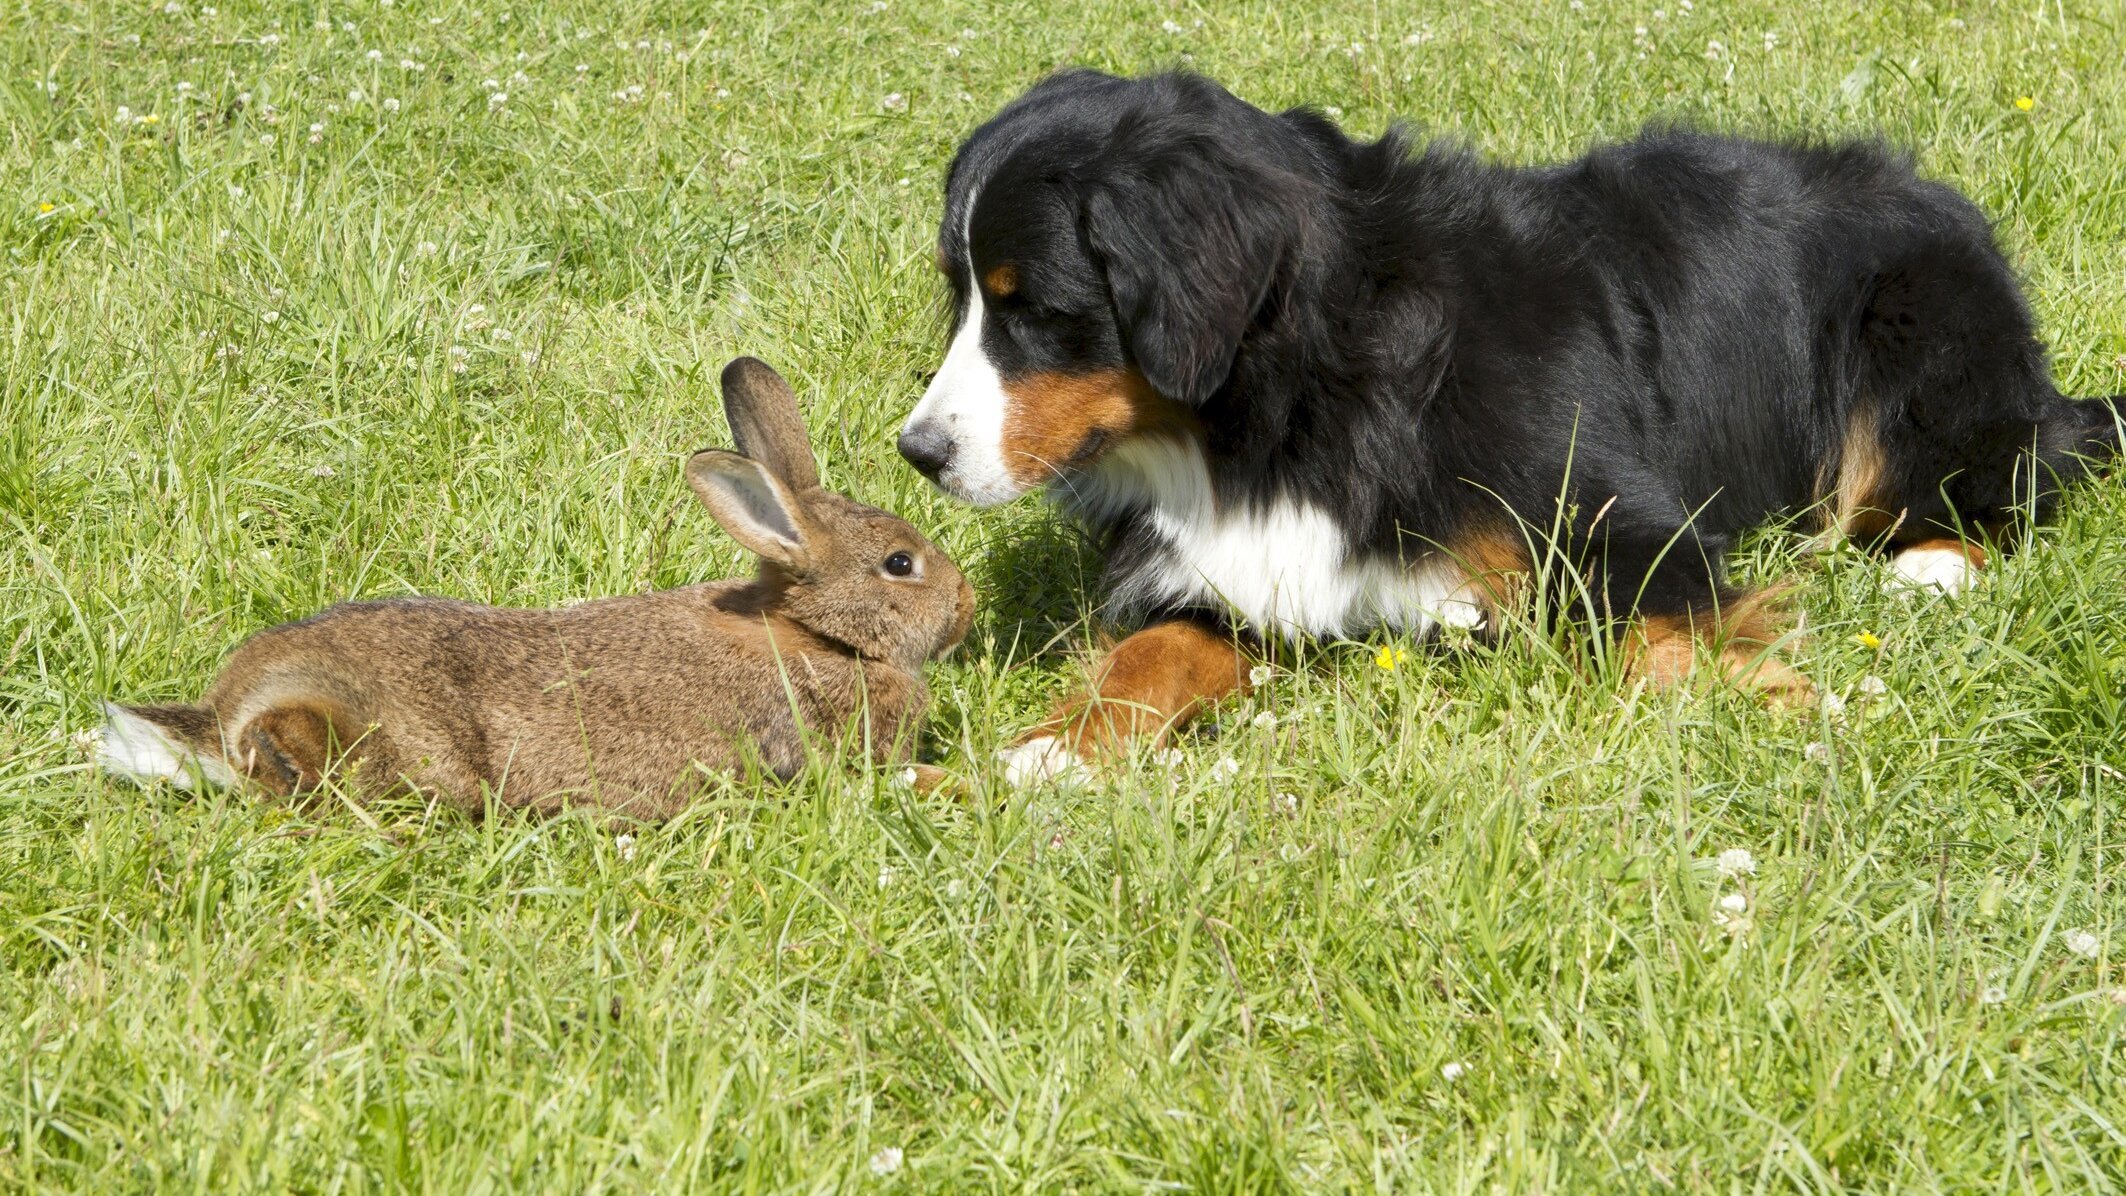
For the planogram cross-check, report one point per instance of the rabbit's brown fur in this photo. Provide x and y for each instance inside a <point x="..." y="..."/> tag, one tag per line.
<point x="614" y="702"/>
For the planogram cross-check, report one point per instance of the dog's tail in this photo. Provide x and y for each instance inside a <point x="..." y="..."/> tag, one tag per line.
<point x="178" y="744"/>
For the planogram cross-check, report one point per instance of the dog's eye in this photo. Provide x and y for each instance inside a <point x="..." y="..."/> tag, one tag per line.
<point x="900" y="564"/>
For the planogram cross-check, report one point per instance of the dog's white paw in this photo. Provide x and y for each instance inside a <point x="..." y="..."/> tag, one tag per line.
<point x="1039" y="760"/>
<point x="1944" y="570"/>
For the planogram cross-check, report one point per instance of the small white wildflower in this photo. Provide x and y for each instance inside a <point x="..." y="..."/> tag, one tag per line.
<point x="1660" y="14"/>
<point x="1333" y="110"/>
<point x="1453" y="1071"/>
<point x="1734" y="903"/>
<point x="1771" y="39"/>
<point x="270" y="317"/>
<point x="322" y="470"/>
<point x="1714" y="50"/>
<point x="894" y="102"/>
<point x="903" y="181"/>
<point x="498" y="99"/>
<point x="86" y="742"/>
<point x="723" y="93"/>
<point x="1169" y="27"/>
<point x="1264" y="721"/>
<point x="2082" y="943"/>
<point x="1992" y="994"/>
<point x="529" y="357"/>
<point x="354" y="95"/>
<point x="1833" y="705"/>
<point x="583" y="68"/>
<point x="1736" y="861"/>
<point x="173" y="8"/>
<point x="1261" y="674"/>
<point x="886" y="1161"/>
<point x="519" y="79"/>
<point x="1874" y="686"/>
<point x="182" y="88"/>
<point x="489" y="85"/>
<point x="1225" y="767"/>
<point x="317" y="127"/>
<point x="425" y="249"/>
<point x="1168" y="757"/>
<point x="885" y="876"/>
<point x="1288" y="803"/>
<point x="374" y="56"/>
<point x="391" y="104"/>
<point x="265" y="139"/>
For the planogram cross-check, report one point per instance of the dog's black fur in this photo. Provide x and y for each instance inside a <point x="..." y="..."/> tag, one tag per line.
<point x="1681" y="334"/>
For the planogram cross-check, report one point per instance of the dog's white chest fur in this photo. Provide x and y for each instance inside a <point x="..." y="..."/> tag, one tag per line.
<point x="1284" y="567"/>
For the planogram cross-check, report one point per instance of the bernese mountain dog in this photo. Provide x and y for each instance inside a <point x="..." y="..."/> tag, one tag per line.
<point x="1314" y="386"/>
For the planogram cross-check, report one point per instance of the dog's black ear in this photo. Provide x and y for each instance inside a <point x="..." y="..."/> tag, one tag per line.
<point x="1193" y="244"/>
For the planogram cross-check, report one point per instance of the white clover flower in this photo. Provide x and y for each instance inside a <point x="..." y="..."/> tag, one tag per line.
<point x="1736" y="861"/>
<point x="1264" y="721"/>
<point x="1288" y="803"/>
<point x="885" y="876"/>
<point x="425" y="249"/>
<point x="374" y="56"/>
<point x="1833" y="705"/>
<point x="1734" y="903"/>
<point x="2082" y="943"/>
<point x="1332" y="110"/>
<point x="1453" y="1071"/>
<point x="1874" y="686"/>
<point x="355" y="96"/>
<point x="322" y="470"/>
<point x="894" y="102"/>
<point x="1225" y="768"/>
<point x="583" y="68"/>
<point x="391" y="104"/>
<point x="723" y="93"/>
<point x="1169" y="27"/>
<point x="1992" y="994"/>
<point x="498" y="99"/>
<point x="1261" y="674"/>
<point x="182" y="88"/>
<point x="270" y="317"/>
<point x="903" y="181"/>
<point x="886" y="1161"/>
<point x="1714" y="50"/>
<point x="488" y="85"/>
<point x="87" y="742"/>
<point x="265" y="139"/>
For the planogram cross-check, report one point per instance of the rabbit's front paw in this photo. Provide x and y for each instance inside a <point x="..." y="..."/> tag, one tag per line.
<point x="1039" y="760"/>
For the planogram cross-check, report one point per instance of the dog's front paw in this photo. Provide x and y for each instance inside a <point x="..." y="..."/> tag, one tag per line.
<point x="1039" y="760"/>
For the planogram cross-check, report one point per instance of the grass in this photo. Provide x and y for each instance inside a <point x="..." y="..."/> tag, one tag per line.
<point x="1446" y="926"/>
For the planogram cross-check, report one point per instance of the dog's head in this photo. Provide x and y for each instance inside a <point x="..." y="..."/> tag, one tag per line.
<point x="1110" y="244"/>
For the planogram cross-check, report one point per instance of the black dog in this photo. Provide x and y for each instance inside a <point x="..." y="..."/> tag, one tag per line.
<point x="1316" y="385"/>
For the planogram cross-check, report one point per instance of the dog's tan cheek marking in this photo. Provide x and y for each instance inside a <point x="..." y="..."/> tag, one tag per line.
<point x="1050" y="419"/>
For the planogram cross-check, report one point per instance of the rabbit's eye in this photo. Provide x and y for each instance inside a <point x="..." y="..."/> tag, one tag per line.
<point x="900" y="564"/>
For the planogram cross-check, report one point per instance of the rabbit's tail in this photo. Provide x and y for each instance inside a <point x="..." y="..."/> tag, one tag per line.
<point x="178" y="744"/>
<point x="287" y="748"/>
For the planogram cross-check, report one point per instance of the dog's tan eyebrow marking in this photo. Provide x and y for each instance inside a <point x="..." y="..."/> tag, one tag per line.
<point x="1002" y="280"/>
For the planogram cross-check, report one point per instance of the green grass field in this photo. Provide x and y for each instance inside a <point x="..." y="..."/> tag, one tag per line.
<point x="314" y="300"/>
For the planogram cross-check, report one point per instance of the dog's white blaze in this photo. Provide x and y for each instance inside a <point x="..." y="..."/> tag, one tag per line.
<point x="967" y="400"/>
<point x="1285" y="567"/>
<point x="139" y="750"/>
<point x="1945" y="569"/>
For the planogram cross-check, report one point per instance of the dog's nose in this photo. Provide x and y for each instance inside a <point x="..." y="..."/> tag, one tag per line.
<point x="927" y="447"/>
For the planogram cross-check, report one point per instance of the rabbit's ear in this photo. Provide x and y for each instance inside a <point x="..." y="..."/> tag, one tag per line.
<point x="766" y="423"/>
<point x="752" y="505"/>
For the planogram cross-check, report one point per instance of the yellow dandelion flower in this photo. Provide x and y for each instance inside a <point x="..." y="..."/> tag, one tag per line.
<point x="1868" y="640"/>
<point x="2025" y="103"/>
<point x="47" y="208"/>
<point x="1389" y="657"/>
<point x="149" y="119"/>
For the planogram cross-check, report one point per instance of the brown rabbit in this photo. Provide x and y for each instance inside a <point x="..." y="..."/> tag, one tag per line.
<point x="611" y="702"/>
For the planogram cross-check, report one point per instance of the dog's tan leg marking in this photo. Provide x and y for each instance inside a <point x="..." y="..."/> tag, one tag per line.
<point x="1148" y="685"/>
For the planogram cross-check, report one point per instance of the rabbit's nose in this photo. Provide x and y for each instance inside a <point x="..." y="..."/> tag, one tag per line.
<point x="928" y="448"/>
